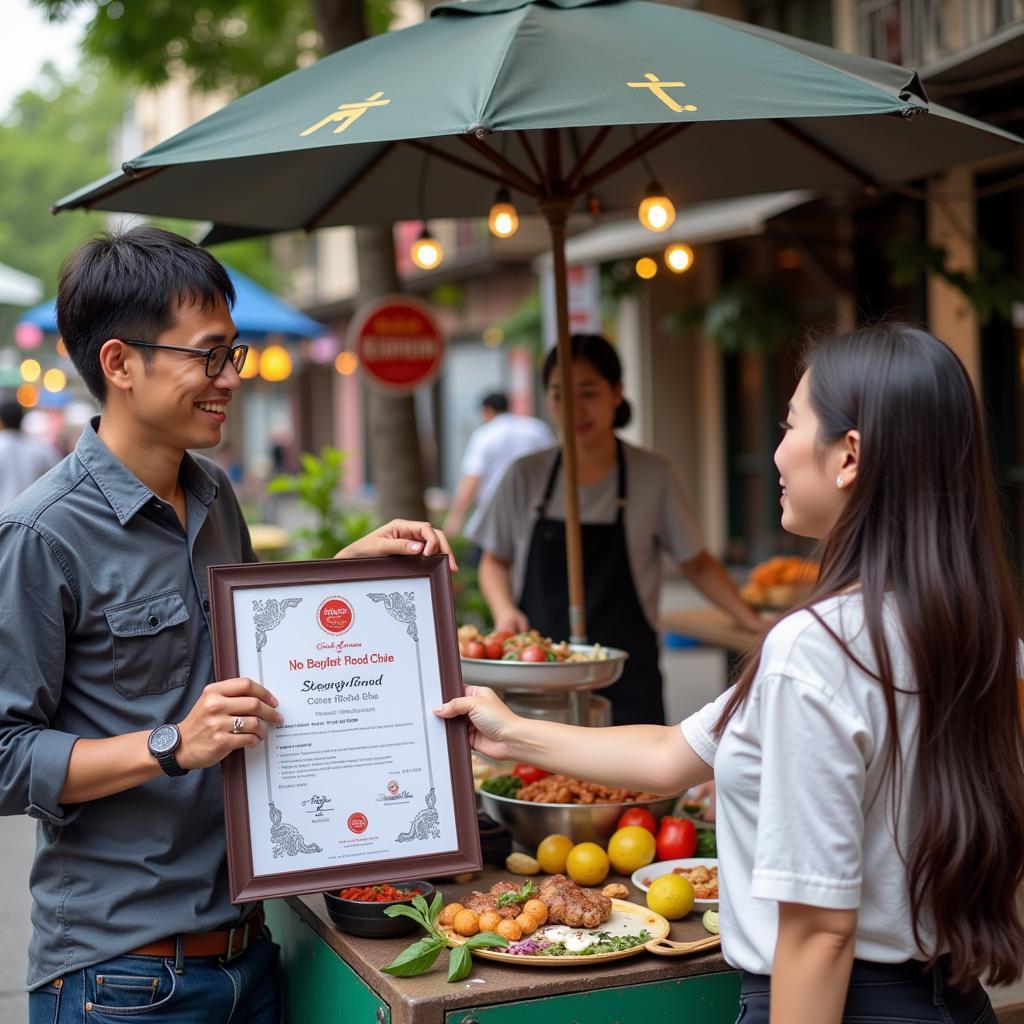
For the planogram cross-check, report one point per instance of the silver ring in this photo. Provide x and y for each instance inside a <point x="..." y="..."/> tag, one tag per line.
<point x="237" y="725"/>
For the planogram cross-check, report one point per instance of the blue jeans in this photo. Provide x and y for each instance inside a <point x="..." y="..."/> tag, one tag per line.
<point x="147" y="989"/>
<point x="879" y="993"/>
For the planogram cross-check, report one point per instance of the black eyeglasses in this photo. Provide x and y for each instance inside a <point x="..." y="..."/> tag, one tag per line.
<point x="216" y="357"/>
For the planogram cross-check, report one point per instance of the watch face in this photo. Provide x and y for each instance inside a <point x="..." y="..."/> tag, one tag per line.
<point x="163" y="739"/>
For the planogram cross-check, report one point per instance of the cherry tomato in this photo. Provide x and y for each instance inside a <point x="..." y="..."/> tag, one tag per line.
<point x="528" y="773"/>
<point x="639" y="816"/>
<point x="475" y="649"/>
<point x="495" y="649"/>
<point x="676" y="838"/>
<point x="502" y="635"/>
<point x="533" y="653"/>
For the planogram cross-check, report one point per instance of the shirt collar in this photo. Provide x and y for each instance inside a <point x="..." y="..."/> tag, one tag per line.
<point x="125" y="493"/>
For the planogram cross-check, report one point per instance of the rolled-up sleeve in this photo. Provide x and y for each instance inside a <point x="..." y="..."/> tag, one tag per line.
<point x="39" y="606"/>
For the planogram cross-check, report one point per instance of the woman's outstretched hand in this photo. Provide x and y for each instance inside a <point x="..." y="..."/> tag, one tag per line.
<point x="492" y="727"/>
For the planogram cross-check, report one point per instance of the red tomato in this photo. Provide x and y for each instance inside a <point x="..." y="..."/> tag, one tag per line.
<point x="533" y="653"/>
<point x="528" y="773"/>
<point x="495" y="649"/>
<point x="475" y="649"/>
<point x="502" y="635"/>
<point x="676" y="838"/>
<point x="639" y="816"/>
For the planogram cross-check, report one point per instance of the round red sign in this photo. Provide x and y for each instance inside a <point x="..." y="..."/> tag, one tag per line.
<point x="335" y="615"/>
<point x="357" y="822"/>
<point x="398" y="342"/>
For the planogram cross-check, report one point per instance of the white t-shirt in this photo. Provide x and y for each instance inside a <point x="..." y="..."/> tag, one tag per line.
<point x="804" y="789"/>
<point x="495" y="445"/>
<point x="23" y="460"/>
<point x="659" y="516"/>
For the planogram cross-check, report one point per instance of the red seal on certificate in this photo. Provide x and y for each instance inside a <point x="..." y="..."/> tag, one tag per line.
<point x="335" y="615"/>
<point x="357" y="822"/>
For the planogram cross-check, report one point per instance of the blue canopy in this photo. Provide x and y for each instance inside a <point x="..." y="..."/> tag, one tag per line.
<point x="257" y="313"/>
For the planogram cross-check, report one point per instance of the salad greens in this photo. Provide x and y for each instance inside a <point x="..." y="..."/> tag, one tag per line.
<point x="502" y="785"/>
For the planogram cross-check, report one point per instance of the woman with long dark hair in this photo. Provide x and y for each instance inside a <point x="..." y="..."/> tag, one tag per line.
<point x="870" y="760"/>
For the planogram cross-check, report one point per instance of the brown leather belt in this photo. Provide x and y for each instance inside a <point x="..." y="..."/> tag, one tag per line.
<point x="228" y="942"/>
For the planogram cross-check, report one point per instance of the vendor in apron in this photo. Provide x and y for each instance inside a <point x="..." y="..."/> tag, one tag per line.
<point x="634" y="510"/>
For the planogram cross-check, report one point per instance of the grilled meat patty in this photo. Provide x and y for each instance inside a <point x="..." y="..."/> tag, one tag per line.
<point x="569" y="904"/>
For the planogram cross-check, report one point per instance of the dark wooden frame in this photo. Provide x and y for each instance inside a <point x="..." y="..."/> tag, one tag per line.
<point x="244" y="885"/>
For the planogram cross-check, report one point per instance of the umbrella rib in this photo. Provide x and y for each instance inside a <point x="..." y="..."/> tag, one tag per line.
<point x="464" y="165"/>
<point x="588" y="155"/>
<point x="869" y="183"/>
<point x="531" y="155"/>
<point x="626" y="156"/>
<point x="346" y="190"/>
<point x="514" y="174"/>
<point x="130" y="178"/>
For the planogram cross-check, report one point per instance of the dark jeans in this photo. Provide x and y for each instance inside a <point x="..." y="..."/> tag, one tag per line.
<point x="886" y="994"/>
<point x="147" y="989"/>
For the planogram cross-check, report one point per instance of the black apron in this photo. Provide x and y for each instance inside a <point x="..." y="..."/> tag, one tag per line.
<point x="615" y="617"/>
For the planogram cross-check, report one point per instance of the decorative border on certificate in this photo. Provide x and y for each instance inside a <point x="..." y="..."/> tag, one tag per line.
<point x="362" y="783"/>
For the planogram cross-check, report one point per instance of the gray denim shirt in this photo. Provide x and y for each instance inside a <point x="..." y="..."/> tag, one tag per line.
<point x="104" y="629"/>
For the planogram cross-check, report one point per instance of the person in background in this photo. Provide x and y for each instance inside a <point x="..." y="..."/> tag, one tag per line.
<point x="870" y="759"/>
<point x="634" y="509"/>
<point x="23" y="459"/>
<point x="112" y="722"/>
<point x="502" y="438"/>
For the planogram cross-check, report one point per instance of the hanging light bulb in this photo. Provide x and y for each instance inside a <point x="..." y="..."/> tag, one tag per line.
<point x="426" y="251"/>
<point x="679" y="257"/>
<point x="503" y="220"/>
<point x="645" y="267"/>
<point x="656" y="210"/>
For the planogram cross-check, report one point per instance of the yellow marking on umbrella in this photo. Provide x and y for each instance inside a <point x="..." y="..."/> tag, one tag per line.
<point x="658" y="87"/>
<point x="347" y="113"/>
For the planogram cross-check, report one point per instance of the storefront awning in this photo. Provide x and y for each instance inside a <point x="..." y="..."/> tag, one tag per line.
<point x="696" y="224"/>
<point x="18" y="289"/>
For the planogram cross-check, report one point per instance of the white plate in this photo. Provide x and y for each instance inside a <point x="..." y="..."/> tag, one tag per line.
<point x="546" y="675"/>
<point x="665" y="867"/>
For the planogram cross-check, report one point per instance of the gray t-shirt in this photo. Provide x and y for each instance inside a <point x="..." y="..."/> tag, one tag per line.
<point x="105" y="630"/>
<point x="659" y="516"/>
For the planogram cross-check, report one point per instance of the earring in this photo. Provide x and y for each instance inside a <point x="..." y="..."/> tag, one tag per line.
<point x="839" y="481"/>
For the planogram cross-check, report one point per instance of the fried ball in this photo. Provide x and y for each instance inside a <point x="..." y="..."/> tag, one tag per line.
<point x="510" y="930"/>
<point x="489" y="921"/>
<point x="467" y="922"/>
<point x="447" y="916"/>
<point x="527" y="922"/>
<point x="538" y="910"/>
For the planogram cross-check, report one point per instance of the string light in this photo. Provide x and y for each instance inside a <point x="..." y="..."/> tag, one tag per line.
<point x="679" y="257"/>
<point x="347" y="363"/>
<point x="426" y="251"/>
<point x="30" y="370"/>
<point x="503" y="220"/>
<point x="28" y="396"/>
<point x="656" y="211"/>
<point x="275" y="364"/>
<point x="646" y="267"/>
<point x="251" y="366"/>
<point x="54" y="380"/>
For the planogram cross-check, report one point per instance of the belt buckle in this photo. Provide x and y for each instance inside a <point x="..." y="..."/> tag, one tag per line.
<point x="233" y="953"/>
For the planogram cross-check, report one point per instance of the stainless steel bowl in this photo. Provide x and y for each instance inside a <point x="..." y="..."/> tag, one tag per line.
<point x="546" y="675"/>
<point x="530" y="822"/>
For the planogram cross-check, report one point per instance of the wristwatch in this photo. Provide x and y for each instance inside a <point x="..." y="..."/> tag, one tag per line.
<point x="163" y="742"/>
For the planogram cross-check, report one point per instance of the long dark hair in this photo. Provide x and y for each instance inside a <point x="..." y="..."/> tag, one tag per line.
<point x="922" y="523"/>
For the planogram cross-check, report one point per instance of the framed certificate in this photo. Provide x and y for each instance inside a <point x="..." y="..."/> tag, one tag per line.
<point x="362" y="782"/>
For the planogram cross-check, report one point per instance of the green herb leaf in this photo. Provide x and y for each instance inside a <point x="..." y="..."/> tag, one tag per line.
<point x="416" y="959"/>
<point x="460" y="963"/>
<point x="435" y="907"/>
<point x="517" y="896"/>
<point x="400" y="910"/>
<point x="421" y="905"/>
<point x="486" y="940"/>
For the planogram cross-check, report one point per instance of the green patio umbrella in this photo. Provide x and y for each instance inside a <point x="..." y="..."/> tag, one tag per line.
<point x="570" y="104"/>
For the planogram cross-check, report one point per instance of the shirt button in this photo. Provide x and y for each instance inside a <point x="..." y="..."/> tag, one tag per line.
<point x="158" y="506"/>
<point x="154" y="621"/>
<point x="206" y="606"/>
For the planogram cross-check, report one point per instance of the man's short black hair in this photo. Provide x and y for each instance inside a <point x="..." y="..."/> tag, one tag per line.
<point x="11" y="414"/>
<point x="496" y="400"/>
<point x="130" y="284"/>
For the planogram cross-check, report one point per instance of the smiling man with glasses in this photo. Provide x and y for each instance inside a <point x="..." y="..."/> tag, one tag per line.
<point x="111" y="722"/>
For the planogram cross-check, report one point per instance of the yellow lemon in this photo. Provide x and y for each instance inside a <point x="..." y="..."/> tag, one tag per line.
<point x="587" y="864"/>
<point x="671" y="896"/>
<point x="552" y="853"/>
<point x="630" y="848"/>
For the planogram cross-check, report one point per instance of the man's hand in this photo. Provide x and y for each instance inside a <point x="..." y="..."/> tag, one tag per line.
<point x="208" y="734"/>
<point x="511" y="620"/>
<point x="401" y="537"/>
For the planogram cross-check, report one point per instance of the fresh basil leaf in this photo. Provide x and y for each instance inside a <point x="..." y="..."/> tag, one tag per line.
<point x="421" y="905"/>
<point x="517" y="895"/>
<point x="435" y="907"/>
<point x="416" y="959"/>
<point x="460" y="963"/>
<point x="400" y="910"/>
<point x="486" y="940"/>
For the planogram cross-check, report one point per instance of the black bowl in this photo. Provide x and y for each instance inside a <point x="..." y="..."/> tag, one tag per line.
<point x="368" y="919"/>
